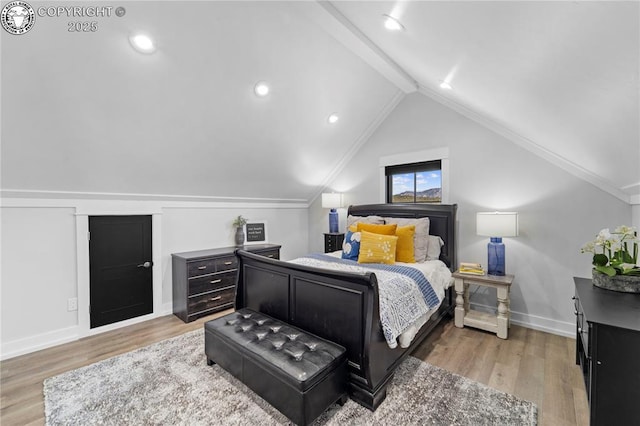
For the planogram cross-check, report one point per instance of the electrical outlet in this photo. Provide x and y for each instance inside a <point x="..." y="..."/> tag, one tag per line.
<point x="72" y="304"/>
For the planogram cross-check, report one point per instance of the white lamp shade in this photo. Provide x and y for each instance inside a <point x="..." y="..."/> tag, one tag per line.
<point x="497" y="224"/>
<point x="331" y="201"/>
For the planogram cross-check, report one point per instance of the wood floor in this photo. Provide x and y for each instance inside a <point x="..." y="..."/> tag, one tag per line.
<point x="533" y="365"/>
<point x="530" y="364"/>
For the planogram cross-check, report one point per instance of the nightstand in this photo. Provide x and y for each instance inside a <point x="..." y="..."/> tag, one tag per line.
<point x="333" y="241"/>
<point x="499" y="323"/>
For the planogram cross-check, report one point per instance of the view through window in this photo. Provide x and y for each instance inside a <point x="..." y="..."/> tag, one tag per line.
<point x="414" y="183"/>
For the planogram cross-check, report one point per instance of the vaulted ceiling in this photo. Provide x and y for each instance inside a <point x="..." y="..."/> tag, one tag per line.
<point x="84" y="112"/>
<point x="558" y="78"/>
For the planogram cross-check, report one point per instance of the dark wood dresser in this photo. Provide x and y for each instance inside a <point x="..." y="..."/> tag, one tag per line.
<point x="608" y="352"/>
<point x="204" y="281"/>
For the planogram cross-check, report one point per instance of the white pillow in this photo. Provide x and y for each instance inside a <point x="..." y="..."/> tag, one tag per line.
<point x="433" y="250"/>
<point x="420" y="238"/>
<point x="377" y="220"/>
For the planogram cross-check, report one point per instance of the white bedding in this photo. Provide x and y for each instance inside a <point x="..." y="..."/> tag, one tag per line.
<point x="438" y="275"/>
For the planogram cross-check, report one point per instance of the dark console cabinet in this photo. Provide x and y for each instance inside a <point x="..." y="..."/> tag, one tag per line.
<point x="608" y="352"/>
<point x="204" y="281"/>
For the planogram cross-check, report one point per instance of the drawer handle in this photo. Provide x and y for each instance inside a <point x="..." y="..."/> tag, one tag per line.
<point x="228" y="263"/>
<point x="202" y="267"/>
<point x="215" y="281"/>
<point x="213" y="299"/>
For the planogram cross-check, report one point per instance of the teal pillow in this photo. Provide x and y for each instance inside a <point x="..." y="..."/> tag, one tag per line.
<point x="351" y="246"/>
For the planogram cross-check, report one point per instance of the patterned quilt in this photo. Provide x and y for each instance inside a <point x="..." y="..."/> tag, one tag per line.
<point x="404" y="292"/>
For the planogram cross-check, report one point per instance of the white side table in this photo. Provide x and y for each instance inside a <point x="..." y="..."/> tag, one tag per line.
<point x="464" y="316"/>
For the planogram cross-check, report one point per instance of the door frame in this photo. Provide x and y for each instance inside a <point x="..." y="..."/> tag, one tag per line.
<point x="82" y="234"/>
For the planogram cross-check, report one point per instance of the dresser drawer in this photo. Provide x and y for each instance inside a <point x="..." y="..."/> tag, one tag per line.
<point x="206" y="283"/>
<point x="584" y="332"/>
<point x="226" y="263"/>
<point x="271" y="254"/>
<point x="212" y="300"/>
<point x="201" y="267"/>
<point x="582" y="326"/>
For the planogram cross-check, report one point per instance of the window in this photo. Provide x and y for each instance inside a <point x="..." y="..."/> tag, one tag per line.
<point x="437" y="161"/>
<point x="414" y="183"/>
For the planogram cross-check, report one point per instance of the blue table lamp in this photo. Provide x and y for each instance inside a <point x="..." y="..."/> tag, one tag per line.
<point x="496" y="225"/>
<point x="332" y="201"/>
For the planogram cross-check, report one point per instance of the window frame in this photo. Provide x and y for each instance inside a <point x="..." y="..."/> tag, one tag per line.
<point x="424" y="156"/>
<point x="411" y="168"/>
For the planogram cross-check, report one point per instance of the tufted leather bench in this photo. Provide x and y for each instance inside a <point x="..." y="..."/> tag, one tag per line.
<point x="298" y="373"/>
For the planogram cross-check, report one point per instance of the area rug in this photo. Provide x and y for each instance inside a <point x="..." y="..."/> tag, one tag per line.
<point x="170" y="383"/>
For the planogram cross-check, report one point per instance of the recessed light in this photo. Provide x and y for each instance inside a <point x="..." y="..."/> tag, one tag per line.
<point x="392" y="23"/>
<point x="445" y="85"/>
<point x="333" y="118"/>
<point x="142" y="43"/>
<point x="261" y="89"/>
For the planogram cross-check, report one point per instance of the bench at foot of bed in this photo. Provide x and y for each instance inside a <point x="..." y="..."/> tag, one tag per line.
<point x="298" y="373"/>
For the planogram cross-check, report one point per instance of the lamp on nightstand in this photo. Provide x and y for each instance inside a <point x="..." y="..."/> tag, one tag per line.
<point x="496" y="225"/>
<point x="332" y="201"/>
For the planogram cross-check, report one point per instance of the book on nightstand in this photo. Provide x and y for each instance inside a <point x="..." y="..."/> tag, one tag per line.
<point x="471" y="268"/>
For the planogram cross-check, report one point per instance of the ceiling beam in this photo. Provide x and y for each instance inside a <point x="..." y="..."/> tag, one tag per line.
<point x="339" y="27"/>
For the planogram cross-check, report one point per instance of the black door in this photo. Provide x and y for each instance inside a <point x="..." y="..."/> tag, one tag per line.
<point x="120" y="268"/>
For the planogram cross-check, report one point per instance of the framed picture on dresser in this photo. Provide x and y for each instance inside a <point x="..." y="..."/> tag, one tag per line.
<point x="255" y="232"/>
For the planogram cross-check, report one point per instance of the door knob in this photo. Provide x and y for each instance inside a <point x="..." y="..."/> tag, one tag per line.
<point x="146" y="265"/>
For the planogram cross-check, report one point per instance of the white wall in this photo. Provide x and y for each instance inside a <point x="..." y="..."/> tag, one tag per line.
<point x="194" y="228"/>
<point x="558" y="212"/>
<point x="635" y="213"/>
<point x="38" y="271"/>
<point x="44" y="257"/>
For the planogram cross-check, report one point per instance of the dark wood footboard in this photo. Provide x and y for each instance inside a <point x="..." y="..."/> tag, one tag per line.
<point x="343" y="307"/>
<point x="338" y="306"/>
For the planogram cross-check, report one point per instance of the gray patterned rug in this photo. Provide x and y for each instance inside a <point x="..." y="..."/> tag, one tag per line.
<point x="169" y="383"/>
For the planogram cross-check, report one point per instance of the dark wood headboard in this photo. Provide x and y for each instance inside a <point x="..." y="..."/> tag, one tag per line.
<point x="442" y="222"/>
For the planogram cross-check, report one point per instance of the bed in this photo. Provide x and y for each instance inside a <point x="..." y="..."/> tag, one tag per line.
<point x="343" y="307"/>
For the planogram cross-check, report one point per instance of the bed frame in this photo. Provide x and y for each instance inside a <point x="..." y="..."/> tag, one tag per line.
<point x="343" y="307"/>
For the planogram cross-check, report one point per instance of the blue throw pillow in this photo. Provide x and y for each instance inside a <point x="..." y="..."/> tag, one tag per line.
<point x="351" y="246"/>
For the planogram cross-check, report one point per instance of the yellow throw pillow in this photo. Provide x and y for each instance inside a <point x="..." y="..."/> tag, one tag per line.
<point x="378" y="229"/>
<point x="377" y="248"/>
<point x="354" y="227"/>
<point x="404" y="247"/>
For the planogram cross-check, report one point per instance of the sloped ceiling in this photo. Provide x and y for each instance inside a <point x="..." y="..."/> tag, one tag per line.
<point x="86" y="113"/>
<point x="559" y="78"/>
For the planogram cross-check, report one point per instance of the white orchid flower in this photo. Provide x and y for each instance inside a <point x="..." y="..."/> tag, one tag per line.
<point x="603" y="236"/>
<point x="626" y="230"/>
<point x="619" y="253"/>
<point x="589" y="247"/>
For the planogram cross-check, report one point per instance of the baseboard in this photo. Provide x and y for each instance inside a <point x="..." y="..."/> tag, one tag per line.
<point x="38" y="342"/>
<point x="47" y="340"/>
<point x="166" y="309"/>
<point x="560" y="328"/>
